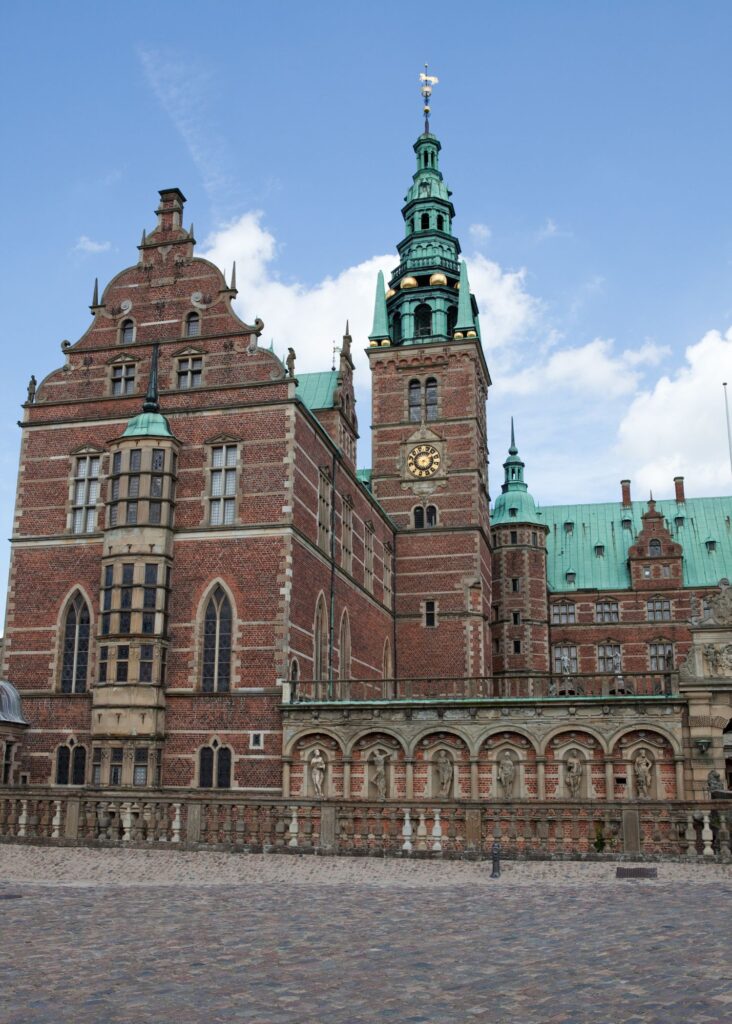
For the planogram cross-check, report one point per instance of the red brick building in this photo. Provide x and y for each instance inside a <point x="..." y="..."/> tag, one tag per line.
<point x="198" y="565"/>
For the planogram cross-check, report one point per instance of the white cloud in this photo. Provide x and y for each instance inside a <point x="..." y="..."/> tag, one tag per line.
<point x="479" y="233"/>
<point x="86" y="244"/>
<point x="678" y="427"/>
<point x="551" y="229"/>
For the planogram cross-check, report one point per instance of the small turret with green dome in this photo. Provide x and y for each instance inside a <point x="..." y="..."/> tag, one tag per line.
<point x="514" y="504"/>
<point x="428" y="298"/>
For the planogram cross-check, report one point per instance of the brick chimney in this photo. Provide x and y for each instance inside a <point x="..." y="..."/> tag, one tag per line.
<point x="679" y="487"/>
<point x="170" y="211"/>
<point x="625" y="485"/>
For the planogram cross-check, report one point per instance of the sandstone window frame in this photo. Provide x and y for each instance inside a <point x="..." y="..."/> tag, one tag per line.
<point x="70" y="764"/>
<point x="563" y="613"/>
<point x="607" y="610"/>
<point x="189" y="369"/>
<point x="127" y="333"/>
<point x="223" y="463"/>
<point x="123" y="377"/>
<point x="658" y="609"/>
<point x="325" y="499"/>
<point x="75" y="644"/>
<point x="660" y="651"/>
<point x="559" y="652"/>
<point x="605" y="654"/>
<point x="218" y="629"/>
<point x="215" y="762"/>
<point x="347" y="534"/>
<point x="192" y="326"/>
<point x="368" y="556"/>
<point x="85" y="490"/>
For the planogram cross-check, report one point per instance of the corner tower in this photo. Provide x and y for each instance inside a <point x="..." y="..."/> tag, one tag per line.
<point x="429" y="446"/>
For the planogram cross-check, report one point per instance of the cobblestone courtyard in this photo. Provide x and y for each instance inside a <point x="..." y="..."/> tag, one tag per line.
<point x="132" y="936"/>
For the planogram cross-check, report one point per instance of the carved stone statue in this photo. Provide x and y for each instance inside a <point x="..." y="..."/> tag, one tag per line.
<point x="318" y="768"/>
<point x="445" y="770"/>
<point x="642" y="769"/>
<point x="290" y="362"/>
<point x="506" y="774"/>
<point x="719" y="608"/>
<point x="31" y="390"/>
<point x="379" y="773"/>
<point x="617" y="663"/>
<point x="714" y="782"/>
<point x="566" y="665"/>
<point x="573" y="770"/>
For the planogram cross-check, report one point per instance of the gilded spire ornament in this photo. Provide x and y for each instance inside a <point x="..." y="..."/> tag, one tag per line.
<point x="428" y="81"/>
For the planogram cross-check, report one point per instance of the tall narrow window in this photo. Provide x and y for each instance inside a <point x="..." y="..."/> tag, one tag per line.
<point x="347" y="536"/>
<point x="205" y="768"/>
<point x="440" y="222"/>
<point x="127" y="332"/>
<point x="190" y="372"/>
<point x="451" y="320"/>
<point x="419" y="518"/>
<point x="415" y="401"/>
<point x="368" y="559"/>
<point x="430" y="399"/>
<point x="71" y="765"/>
<point x="320" y="642"/>
<point x="431" y="515"/>
<point x="609" y="658"/>
<point x="423" y="321"/>
<point x="388" y="575"/>
<point x="424" y="221"/>
<point x="654" y="548"/>
<point x="661" y="656"/>
<point x="396" y="328"/>
<point x="217" y="628"/>
<point x="86" y="492"/>
<point x="344" y="648"/>
<point x="222" y="500"/>
<point x="123" y="378"/>
<point x="564" y="658"/>
<point x="324" y="509"/>
<point x="214" y="767"/>
<point x="193" y="325"/>
<point x="430" y="614"/>
<point x="75" y="661"/>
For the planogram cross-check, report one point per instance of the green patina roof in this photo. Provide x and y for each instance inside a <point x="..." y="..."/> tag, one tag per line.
<point x="704" y="518"/>
<point x="514" y="504"/>
<point x="316" y="390"/>
<point x="148" y="424"/>
<point x="364" y="475"/>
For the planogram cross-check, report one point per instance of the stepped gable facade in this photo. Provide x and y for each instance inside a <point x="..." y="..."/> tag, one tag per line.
<point x="206" y="593"/>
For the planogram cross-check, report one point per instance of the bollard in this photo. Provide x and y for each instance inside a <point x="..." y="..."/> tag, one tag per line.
<point x="496" y="855"/>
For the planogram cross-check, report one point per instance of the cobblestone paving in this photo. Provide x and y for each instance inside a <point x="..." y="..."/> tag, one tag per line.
<point x="624" y="952"/>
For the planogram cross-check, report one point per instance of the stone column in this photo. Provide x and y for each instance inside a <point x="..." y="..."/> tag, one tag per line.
<point x="541" y="778"/>
<point x="409" y="777"/>
<point x="346" y="778"/>
<point x="474" y="787"/>
<point x="679" y="766"/>
<point x="286" y="762"/>
<point x="609" y="779"/>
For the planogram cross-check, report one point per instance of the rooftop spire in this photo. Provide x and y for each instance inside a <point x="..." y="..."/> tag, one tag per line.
<point x="427" y="82"/>
<point x="151" y="403"/>
<point x="513" y="450"/>
<point x="513" y="467"/>
<point x="380" y="330"/>
<point x="465" y="323"/>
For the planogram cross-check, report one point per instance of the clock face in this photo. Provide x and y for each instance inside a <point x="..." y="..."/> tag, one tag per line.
<point x="424" y="460"/>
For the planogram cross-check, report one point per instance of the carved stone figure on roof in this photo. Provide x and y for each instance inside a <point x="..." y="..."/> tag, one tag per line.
<point x="290" y="362"/>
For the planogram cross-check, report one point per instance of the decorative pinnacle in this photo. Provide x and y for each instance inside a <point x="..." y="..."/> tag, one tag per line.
<point x="513" y="450"/>
<point x="95" y="296"/>
<point x="428" y="81"/>
<point x="151" y="403"/>
<point x="232" y="286"/>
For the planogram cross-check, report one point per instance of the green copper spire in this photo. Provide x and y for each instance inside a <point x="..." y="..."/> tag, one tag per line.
<point x="514" y="504"/>
<point x="380" y="330"/>
<point x="465" y="324"/>
<point x="150" y="422"/>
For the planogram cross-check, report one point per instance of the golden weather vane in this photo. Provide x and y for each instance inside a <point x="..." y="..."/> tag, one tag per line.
<point x="428" y="81"/>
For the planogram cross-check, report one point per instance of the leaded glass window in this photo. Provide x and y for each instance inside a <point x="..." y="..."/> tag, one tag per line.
<point x="217" y="629"/>
<point x="75" y="660"/>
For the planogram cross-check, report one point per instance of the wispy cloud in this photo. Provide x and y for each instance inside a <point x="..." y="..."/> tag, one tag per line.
<point x="187" y="97"/>
<point x="551" y="229"/>
<point x="86" y="244"/>
<point x="479" y="234"/>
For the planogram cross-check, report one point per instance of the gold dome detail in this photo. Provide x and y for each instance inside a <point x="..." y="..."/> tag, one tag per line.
<point x="390" y="293"/>
<point x="438" y="279"/>
<point x="471" y="334"/>
<point x="408" y="282"/>
<point x="458" y="334"/>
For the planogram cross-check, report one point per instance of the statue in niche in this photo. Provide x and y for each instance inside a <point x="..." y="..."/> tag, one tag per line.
<point x="506" y="774"/>
<point x="573" y="774"/>
<point x="445" y="770"/>
<point x="642" y="769"/>
<point x="379" y="772"/>
<point x="318" y="767"/>
<point x="290" y="362"/>
<point x="566" y="665"/>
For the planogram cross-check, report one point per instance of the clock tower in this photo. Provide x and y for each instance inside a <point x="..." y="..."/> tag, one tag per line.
<point x="429" y="445"/>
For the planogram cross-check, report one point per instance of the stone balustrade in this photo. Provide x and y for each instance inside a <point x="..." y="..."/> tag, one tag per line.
<point x="449" y="828"/>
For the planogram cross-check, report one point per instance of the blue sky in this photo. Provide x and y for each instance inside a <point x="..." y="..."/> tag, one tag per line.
<point x="587" y="146"/>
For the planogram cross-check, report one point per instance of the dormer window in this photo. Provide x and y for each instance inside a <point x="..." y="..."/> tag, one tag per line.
<point x="127" y="332"/>
<point x="569" y="527"/>
<point x="654" y="548"/>
<point x="599" y="550"/>
<point x="513" y="512"/>
<point x="710" y="545"/>
<point x="193" y="325"/>
<point x="627" y="524"/>
<point x="678" y="522"/>
<point x="570" y="576"/>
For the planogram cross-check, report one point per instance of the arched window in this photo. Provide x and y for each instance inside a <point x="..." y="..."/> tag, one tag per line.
<point x="344" y="648"/>
<point x="214" y="767"/>
<point x="654" y="548"/>
<point x="75" y="659"/>
<point x="71" y="765"/>
<point x="440" y="222"/>
<point x="423" y="321"/>
<point x="424" y="221"/>
<point x="415" y="401"/>
<point x="451" y="320"/>
<point x="431" y="515"/>
<point x="419" y="518"/>
<point x="430" y="398"/>
<point x="216" y="675"/>
<point x="127" y="332"/>
<point x="396" y="328"/>
<point x="193" y="325"/>
<point x="320" y="642"/>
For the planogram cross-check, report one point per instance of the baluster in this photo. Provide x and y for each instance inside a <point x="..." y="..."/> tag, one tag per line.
<point x="690" y="835"/>
<point x="56" y="821"/>
<point x="227" y="811"/>
<point x="23" y="819"/>
<point x="176" y="826"/>
<point x="707" y="837"/>
<point x="422" y="831"/>
<point x="724" y="838"/>
<point x="407" y="832"/>
<point x="377" y="834"/>
<point x="126" y="812"/>
<point x="4" y="802"/>
<point x="293" y="828"/>
<point x="437" y="831"/>
<point x="281" y="825"/>
<point x="528" y="829"/>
